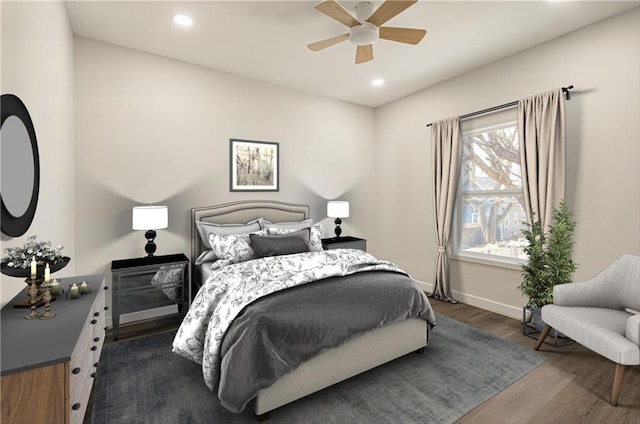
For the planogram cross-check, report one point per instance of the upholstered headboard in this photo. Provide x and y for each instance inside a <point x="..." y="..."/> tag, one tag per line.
<point x="240" y="213"/>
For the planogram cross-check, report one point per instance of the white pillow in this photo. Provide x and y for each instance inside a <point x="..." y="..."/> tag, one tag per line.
<point x="206" y="257"/>
<point x="298" y="225"/>
<point x="206" y="228"/>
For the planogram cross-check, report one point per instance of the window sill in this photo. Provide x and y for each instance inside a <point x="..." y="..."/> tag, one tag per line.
<point x="489" y="262"/>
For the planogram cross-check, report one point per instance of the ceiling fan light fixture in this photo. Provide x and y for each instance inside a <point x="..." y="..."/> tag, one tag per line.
<point x="363" y="34"/>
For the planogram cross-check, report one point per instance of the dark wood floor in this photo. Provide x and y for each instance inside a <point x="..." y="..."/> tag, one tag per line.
<point x="572" y="386"/>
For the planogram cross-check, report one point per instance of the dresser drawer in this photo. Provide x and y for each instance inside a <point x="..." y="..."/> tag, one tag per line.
<point x="56" y="376"/>
<point x="85" y="357"/>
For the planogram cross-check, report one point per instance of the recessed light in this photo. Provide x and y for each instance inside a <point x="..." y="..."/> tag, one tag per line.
<point x="377" y="82"/>
<point x="183" y="20"/>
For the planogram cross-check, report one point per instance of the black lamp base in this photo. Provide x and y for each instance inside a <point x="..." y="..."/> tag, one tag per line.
<point x="150" y="247"/>
<point x="338" y="230"/>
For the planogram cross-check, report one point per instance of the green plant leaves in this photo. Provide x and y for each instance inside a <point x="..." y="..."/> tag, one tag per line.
<point x="550" y="256"/>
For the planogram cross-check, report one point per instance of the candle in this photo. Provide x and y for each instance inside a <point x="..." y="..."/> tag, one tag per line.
<point x="74" y="291"/>
<point x="33" y="267"/>
<point x="55" y="288"/>
<point x="84" y="287"/>
<point x="47" y="274"/>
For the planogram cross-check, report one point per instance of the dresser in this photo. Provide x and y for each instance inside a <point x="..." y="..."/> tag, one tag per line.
<point x="48" y="366"/>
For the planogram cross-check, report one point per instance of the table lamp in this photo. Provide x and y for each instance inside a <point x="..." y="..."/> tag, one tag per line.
<point x="338" y="209"/>
<point x="150" y="218"/>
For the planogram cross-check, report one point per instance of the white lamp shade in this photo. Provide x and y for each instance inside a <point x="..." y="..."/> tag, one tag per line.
<point x="150" y="217"/>
<point x="338" y="209"/>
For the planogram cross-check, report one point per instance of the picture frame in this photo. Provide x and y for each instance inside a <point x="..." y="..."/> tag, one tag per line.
<point x="254" y="165"/>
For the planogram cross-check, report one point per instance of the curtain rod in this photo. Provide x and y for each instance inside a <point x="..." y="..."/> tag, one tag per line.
<point x="565" y="90"/>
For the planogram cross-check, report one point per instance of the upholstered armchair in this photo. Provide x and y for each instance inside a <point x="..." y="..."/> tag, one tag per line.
<point x="601" y="314"/>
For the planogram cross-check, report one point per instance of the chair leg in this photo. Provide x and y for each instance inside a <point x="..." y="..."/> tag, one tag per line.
<point x="618" y="373"/>
<point x="543" y="335"/>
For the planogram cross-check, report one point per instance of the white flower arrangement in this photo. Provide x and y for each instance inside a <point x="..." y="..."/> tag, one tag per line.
<point x="20" y="257"/>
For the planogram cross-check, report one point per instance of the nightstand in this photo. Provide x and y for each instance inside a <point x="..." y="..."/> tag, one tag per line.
<point x="344" y="243"/>
<point x="140" y="284"/>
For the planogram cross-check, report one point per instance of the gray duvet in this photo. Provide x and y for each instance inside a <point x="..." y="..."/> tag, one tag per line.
<point x="274" y="335"/>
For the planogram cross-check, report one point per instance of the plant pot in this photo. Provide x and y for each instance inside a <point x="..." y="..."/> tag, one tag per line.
<point x="536" y="318"/>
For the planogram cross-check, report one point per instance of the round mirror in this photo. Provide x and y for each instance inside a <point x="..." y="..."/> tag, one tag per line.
<point x="20" y="167"/>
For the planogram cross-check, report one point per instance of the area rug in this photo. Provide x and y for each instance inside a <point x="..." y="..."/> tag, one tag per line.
<point x="142" y="381"/>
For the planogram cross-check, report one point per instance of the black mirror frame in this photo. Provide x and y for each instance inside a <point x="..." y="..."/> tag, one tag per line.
<point x="15" y="226"/>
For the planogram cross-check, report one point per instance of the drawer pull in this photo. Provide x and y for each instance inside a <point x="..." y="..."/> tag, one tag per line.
<point x="96" y="365"/>
<point x="76" y="370"/>
<point x="94" y="348"/>
<point x="94" y="321"/>
<point x="75" y="406"/>
<point x="106" y="308"/>
<point x="106" y="287"/>
<point x="97" y="339"/>
<point x="96" y="314"/>
<point x="93" y="375"/>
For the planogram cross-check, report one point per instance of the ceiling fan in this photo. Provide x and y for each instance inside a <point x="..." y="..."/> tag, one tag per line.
<point x="366" y="27"/>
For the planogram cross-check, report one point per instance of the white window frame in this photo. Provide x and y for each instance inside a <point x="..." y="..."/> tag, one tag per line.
<point x="483" y="123"/>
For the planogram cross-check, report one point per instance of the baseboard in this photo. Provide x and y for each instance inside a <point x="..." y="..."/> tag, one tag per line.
<point x="479" y="302"/>
<point x="142" y="315"/>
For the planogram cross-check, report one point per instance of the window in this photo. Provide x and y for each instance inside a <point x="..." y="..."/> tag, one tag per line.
<point x="489" y="203"/>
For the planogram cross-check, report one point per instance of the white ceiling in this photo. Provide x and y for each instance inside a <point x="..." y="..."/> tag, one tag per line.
<point x="266" y="40"/>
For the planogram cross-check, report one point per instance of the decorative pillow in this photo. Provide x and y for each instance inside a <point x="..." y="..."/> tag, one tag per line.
<point x="281" y="244"/>
<point x="232" y="248"/>
<point x="315" y="238"/>
<point x="298" y="225"/>
<point x="206" y="228"/>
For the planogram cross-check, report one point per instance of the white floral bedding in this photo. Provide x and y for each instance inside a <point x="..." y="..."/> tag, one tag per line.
<point x="230" y="289"/>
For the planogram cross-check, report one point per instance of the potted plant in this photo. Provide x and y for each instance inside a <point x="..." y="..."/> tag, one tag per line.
<point x="550" y="259"/>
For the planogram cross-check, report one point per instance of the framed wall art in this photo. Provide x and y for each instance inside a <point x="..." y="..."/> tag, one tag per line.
<point x="254" y="165"/>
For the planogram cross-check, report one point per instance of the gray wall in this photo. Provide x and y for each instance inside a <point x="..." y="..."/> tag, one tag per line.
<point x="37" y="66"/>
<point x="603" y="137"/>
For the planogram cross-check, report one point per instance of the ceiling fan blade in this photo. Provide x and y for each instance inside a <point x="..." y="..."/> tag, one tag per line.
<point x="388" y="10"/>
<point x="337" y="12"/>
<point x="402" y="35"/>
<point x="364" y="53"/>
<point x="319" y="45"/>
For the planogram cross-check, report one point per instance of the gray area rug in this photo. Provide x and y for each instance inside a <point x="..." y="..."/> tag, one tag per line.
<point x="142" y="381"/>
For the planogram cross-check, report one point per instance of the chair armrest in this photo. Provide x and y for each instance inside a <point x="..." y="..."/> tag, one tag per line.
<point x="633" y="329"/>
<point x="592" y="293"/>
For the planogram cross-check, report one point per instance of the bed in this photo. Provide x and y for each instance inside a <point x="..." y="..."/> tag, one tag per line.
<point x="327" y="366"/>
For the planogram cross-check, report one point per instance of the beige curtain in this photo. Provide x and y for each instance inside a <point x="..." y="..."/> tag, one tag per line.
<point x="446" y="141"/>
<point x="541" y="130"/>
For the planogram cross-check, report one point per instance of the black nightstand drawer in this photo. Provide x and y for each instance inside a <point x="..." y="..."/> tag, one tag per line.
<point x="344" y="243"/>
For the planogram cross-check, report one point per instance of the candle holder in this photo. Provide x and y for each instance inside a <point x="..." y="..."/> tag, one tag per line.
<point x="56" y="288"/>
<point x="73" y="292"/>
<point x="34" y="298"/>
<point x="47" y="302"/>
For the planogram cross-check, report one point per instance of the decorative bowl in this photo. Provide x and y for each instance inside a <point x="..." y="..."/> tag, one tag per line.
<point x="26" y="272"/>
